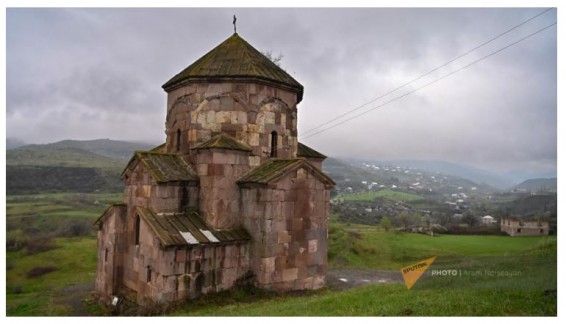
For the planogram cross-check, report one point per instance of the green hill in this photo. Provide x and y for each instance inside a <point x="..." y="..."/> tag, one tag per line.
<point x="68" y="166"/>
<point x="538" y="185"/>
<point x="44" y="155"/>
<point x="120" y="150"/>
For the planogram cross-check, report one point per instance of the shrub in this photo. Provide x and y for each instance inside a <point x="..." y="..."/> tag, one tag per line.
<point x="77" y="227"/>
<point x="40" y="271"/>
<point x="39" y="245"/>
<point x="15" y="240"/>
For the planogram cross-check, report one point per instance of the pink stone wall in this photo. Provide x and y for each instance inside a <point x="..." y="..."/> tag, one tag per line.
<point x="289" y="225"/>
<point x="219" y="195"/>
<point x="248" y="112"/>
<point x="179" y="273"/>
<point x="110" y="245"/>
<point x="143" y="191"/>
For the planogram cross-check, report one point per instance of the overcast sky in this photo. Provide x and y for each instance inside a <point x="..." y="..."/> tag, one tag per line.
<point x="97" y="73"/>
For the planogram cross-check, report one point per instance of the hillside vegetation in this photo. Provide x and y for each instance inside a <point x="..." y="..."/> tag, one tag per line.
<point x="68" y="166"/>
<point x="51" y="263"/>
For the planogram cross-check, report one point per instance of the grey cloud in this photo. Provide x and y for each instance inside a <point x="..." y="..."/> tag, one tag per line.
<point x="78" y="73"/>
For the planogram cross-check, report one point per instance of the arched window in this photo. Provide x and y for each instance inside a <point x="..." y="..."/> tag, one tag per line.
<point x="148" y="274"/>
<point x="137" y="229"/>
<point x="273" y="144"/>
<point x="178" y="141"/>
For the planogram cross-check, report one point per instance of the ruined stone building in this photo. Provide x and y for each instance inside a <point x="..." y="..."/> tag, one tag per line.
<point x="520" y="227"/>
<point x="230" y="193"/>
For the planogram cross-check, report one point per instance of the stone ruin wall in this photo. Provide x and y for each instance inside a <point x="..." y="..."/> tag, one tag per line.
<point x="289" y="247"/>
<point x="248" y="112"/>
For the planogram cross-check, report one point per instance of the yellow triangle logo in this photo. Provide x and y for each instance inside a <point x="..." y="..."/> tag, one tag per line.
<point x="413" y="272"/>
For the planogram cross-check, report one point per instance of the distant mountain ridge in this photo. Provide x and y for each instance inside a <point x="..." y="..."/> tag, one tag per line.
<point x="538" y="185"/>
<point x="69" y="166"/>
<point x="121" y="150"/>
<point x="113" y="155"/>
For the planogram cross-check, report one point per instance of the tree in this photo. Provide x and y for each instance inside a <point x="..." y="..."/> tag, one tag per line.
<point x="404" y="219"/>
<point x="385" y="223"/>
<point x="273" y="58"/>
<point x="470" y="219"/>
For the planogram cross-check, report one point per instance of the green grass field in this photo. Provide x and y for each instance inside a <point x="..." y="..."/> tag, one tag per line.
<point x="63" y="290"/>
<point x="64" y="222"/>
<point x="387" y="193"/>
<point x="384" y="300"/>
<point x="52" y="293"/>
<point x="394" y="250"/>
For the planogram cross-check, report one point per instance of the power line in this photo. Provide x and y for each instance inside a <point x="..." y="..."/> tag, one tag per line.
<point x="434" y="81"/>
<point x="425" y="74"/>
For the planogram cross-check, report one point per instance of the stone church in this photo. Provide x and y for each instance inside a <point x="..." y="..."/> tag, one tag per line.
<point x="230" y="194"/>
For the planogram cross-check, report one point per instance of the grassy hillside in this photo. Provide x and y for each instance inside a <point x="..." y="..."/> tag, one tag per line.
<point x="531" y="293"/>
<point x="68" y="166"/>
<point x="72" y="264"/>
<point x="386" y="300"/>
<point x="38" y="155"/>
<point x="536" y="185"/>
<point x="394" y="250"/>
<point x="51" y="252"/>
<point x="51" y="263"/>
<point x="387" y="193"/>
<point x="26" y="179"/>
<point x="120" y="150"/>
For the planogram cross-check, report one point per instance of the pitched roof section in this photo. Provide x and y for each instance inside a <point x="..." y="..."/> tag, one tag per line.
<point x="178" y="229"/>
<point x="305" y="151"/>
<point x="223" y="141"/>
<point x="273" y="170"/>
<point x="163" y="167"/>
<point x="235" y="58"/>
<point x="158" y="149"/>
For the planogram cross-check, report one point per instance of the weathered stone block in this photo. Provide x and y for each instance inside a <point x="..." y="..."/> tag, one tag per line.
<point x="202" y="169"/>
<point x="223" y="158"/>
<point x="313" y="246"/>
<point x="290" y="274"/>
<point x="297" y="224"/>
<point x="283" y="237"/>
<point x="267" y="265"/>
<point x="318" y="282"/>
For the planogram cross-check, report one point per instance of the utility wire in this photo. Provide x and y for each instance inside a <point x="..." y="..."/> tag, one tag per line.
<point x="425" y="74"/>
<point x="434" y="81"/>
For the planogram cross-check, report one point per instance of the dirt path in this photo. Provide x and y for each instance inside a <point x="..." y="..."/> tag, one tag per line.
<point x="341" y="279"/>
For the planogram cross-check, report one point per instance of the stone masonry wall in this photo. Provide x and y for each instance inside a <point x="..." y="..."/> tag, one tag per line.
<point x="177" y="273"/>
<point x="110" y="251"/>
<point x="219" y="195"/>
<point x="247" y="111"/>
<point x="143" y="191"/>
<point x="289" y="226"/>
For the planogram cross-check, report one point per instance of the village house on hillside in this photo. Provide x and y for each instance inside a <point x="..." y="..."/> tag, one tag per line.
<point x="230" y="194"/>
<point x="519" y="227"/>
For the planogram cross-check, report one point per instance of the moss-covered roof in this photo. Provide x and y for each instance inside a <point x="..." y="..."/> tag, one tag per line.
<point x="273" y="170"/>
<point x="163" y="167"/>
<point x="177" y="229"/>
<point x="305" y="151"/>
<point x="158" y="149"/>
<point x="235" y="58"/>
<point x="223" y="141"/>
